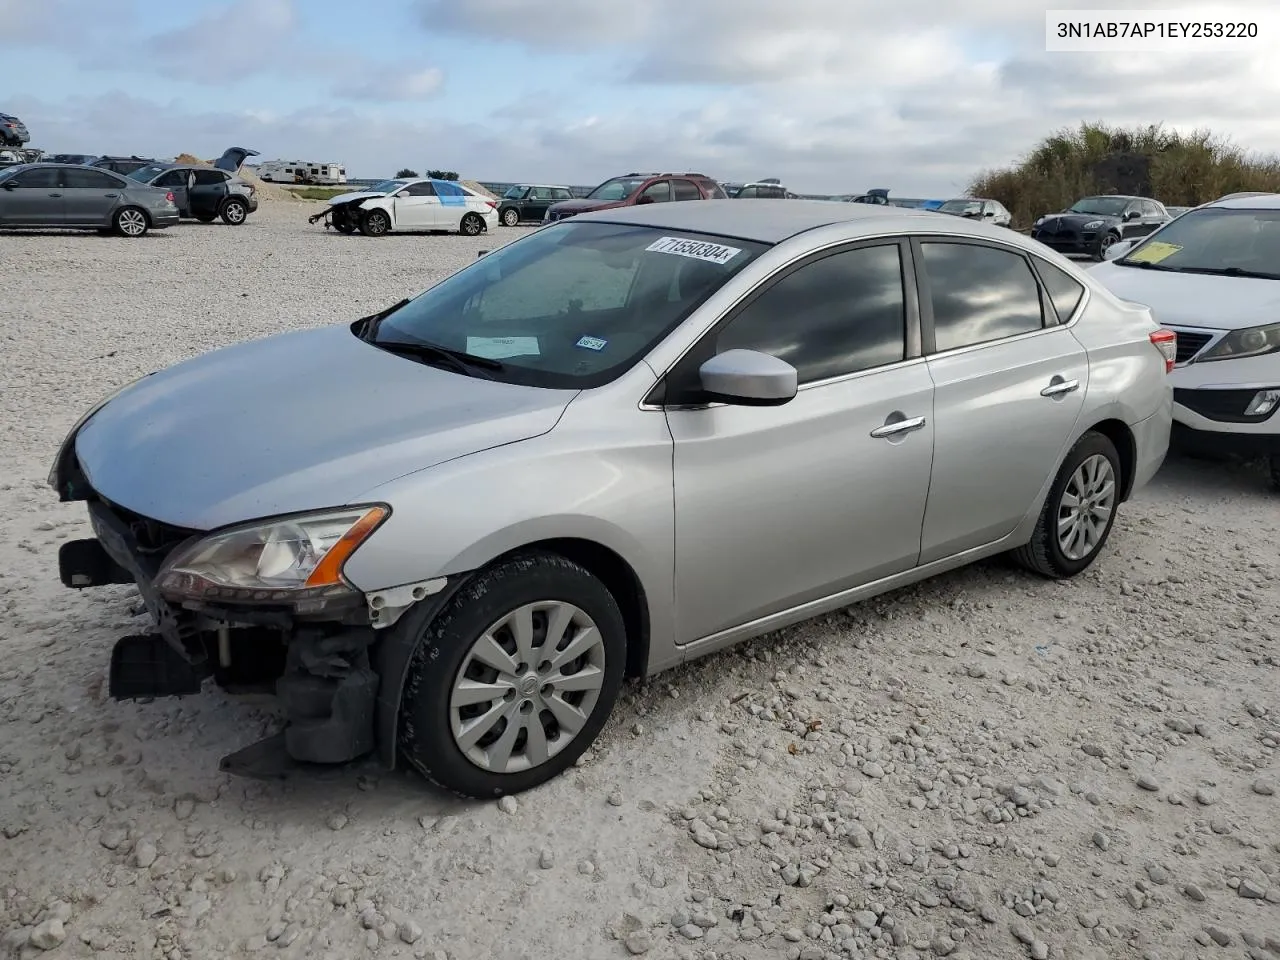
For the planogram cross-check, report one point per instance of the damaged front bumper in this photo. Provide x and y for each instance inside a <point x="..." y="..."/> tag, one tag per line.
<point x="338" y="673"/>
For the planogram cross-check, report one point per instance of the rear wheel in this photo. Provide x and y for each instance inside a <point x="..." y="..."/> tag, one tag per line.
<point x="514" y="679"/>
<point x="375" y="223"/>
<point x="510" y="216"/>
<point x="1105" y="243"/>
<point x="472" y="225"/>
<point x="1078" y="513"/>
<point x="234" y="212"/>
<point x="131" y="222"/>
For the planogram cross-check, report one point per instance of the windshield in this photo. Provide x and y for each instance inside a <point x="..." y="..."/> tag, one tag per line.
<point x="574" y="305"/>
<point x="147" y="173"/>
<point x="514" y="193"/>
<point x="1214" y="240"/>
<point x="386" y="186"/>
<point x="962" y="206"/>
<point x="618" y="188"/>
<point x="1101" y="206"/>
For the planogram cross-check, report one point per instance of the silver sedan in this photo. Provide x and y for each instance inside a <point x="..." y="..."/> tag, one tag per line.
<point x="449" y="531"/>
<point x="76" y="197"/>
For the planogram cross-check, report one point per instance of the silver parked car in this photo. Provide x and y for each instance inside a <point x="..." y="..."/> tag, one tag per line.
<point x="76" y="197"/>
<point x="449" y="531"/>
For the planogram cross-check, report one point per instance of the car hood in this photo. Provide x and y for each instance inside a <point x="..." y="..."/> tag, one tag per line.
<point x="1078" y="219"/>
<point x="357" y="195"/>
<point x="298" y="421"/>
<point x="1194" y="299"/>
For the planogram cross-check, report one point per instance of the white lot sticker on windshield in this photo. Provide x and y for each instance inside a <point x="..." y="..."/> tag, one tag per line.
<point x="503" y="348"/>
<point x="592" y="343"/>
<point x="694" y="249"/>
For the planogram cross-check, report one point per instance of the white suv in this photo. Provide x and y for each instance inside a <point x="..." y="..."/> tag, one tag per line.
<point x="1213" y="276"/>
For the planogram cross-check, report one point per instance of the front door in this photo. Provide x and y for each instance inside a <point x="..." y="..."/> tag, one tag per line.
<point x="178" y="182"/>
<point x="417" y="207"/>
<point x="34" y="198"/>
<point x="91" y="196"/>
<point x="777" y="506"/>
<point x="1009" y="387"/>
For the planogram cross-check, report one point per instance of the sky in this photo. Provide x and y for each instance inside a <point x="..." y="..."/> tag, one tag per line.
<point x="831" y="96"/>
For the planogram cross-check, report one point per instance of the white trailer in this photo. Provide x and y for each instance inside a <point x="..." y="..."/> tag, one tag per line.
<point x="302" y="171"/>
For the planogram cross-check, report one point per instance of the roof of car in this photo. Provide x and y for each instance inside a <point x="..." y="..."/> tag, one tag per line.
<point x="765" y="221"/>
<point x="1263" y="201"/>
<point x="553" y="186"/>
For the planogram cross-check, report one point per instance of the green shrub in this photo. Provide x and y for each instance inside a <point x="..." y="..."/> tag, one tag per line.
<point x="1178" y="169"/>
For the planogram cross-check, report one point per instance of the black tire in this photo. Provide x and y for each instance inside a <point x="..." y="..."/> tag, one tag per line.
<point x="234" y="212"/>
<point x="1044" y="554"/>
<point x="205" y="217"/>
<point x="131" y="222"/>
<point x="472" y="225"/>
<point x="375" y="223"/>
<point x="510" y="217"/>
<point x="344" y="226"/>
<point x="426" y="739"/>
<point x="1104" y="244"/>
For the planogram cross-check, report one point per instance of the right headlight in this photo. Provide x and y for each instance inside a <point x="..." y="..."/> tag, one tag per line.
<point x="1253" y="342"/>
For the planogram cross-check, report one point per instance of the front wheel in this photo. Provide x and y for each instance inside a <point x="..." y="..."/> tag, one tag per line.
<point x="1078" y="513"/>
<point x="234" y="212"/>
<point x="375" y="223"/>
<point x="131" y="222"/>
<point x="344" y="226"/>
<point x="514" y="679"/>
<point x="1105" y="243"/>
<point x="510" y="216"/>
<point x="472" y="225"/>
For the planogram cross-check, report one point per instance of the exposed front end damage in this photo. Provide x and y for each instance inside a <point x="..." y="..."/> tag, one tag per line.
<point x="336" y="663"/>
<point x="343" y="217"/>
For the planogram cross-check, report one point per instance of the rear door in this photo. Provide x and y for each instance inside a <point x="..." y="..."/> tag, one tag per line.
<point x="455" y="203"/>
<point x="537" y="202"/>
<point x="33" y="198"/>
<point x="1010" y="383"/>
<point x="208" y="192"/>
<point x="91" y="196"/>
<point x="417" y="207"/>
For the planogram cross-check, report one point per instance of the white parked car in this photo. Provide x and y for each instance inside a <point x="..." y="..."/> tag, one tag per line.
<point x="418" y="204"/>
<point x="1213" y="276"/>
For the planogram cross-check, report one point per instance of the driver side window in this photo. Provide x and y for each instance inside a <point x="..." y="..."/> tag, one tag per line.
<point x="423" y="189"/>
<point x="46" y="178"/>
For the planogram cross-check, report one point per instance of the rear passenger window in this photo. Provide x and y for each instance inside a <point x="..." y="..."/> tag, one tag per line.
<point x="207" y="178"/>
<point x="686" y="190"/>
<point x="1064" y="290"/>
<point x="830" y="317"/>
<point x="979" y="294"/>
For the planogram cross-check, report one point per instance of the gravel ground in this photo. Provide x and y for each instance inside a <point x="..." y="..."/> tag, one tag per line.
<point x="984" y="766"/>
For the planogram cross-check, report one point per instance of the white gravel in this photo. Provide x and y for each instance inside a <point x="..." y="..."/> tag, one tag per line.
<point x="984" y="766"/>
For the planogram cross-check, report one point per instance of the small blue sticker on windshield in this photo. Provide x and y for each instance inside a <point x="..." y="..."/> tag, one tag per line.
<point x="592" y="343"/>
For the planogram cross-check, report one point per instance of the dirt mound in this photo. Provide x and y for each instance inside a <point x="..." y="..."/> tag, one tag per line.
<point x="264" y="190"/>
<point x="473" y="185"/>
<point x="188" y="158"/>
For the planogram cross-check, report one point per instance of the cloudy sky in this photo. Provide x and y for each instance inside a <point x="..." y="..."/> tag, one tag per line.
<point x="830" y="95"/>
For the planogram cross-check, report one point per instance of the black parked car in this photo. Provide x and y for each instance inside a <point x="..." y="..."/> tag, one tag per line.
<point x="203" y="192"/>
<point x="529" y="201"/>
<point x="123" y="165"/>
<point x="1091" y="225"/>
<point x="13" y="132"/>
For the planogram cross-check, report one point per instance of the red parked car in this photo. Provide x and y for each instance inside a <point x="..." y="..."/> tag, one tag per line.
<point x="636" y="188"/>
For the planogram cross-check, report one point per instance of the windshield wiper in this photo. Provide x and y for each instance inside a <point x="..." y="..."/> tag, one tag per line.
<point x="1232" y="272"/>
<point x="458" y="360"/>
<point x="369" y="324"/>
<point x="1147" y="265"/>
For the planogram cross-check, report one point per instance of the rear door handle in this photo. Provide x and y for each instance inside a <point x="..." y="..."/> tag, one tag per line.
<point x="111" y="196"/>
<point x="55" y="194"/>
<point x="897" y="427"/>
<point x="1060" y="388"/>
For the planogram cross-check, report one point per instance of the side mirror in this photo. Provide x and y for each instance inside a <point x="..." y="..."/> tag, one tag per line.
<point x="1132" y="215"/>
<point x="748" y="378"/>
<point x="1119" y="249"/>
<point x="990" y="214"/>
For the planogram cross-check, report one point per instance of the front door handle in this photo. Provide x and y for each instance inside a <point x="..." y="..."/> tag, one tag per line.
<point x="55" y="194"/>
<point x="1060" y="387"/>
<point x="897" y="427"/>
<point x="111" y="196"/>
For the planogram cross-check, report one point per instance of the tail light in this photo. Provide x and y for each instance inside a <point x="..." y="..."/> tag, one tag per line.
<point x="1166" y="341"/>
<point x="493" y="204"/>
<point x="170" y="197"/>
